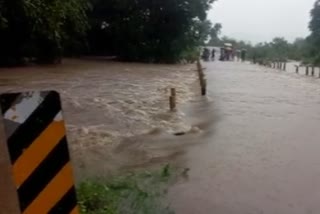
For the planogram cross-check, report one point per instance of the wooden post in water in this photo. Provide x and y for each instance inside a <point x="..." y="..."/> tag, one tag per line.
<point x="297" y="69"/>
<point x="307" y="70"/>
<point x="172" y="99"/>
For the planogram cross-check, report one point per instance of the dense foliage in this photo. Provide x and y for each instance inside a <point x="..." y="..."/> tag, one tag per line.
<point x="140" y="30"/>
<point x="39" y="29"/>
<point x="314" y="38"/>
<point x="148" y="30"/>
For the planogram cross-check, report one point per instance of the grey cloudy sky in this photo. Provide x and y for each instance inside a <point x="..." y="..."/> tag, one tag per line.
<point x="262" y="20"/>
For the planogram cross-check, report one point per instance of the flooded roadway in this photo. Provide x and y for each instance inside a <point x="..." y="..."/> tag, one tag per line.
<point x="106" y="103"/>
<point x="261" y="151"/>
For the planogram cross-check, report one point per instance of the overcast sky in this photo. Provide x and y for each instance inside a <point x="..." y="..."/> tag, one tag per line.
<point x="262" y="20"/>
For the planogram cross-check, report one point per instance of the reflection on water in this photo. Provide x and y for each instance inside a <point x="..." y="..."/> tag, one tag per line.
<point x="262" y="155"/>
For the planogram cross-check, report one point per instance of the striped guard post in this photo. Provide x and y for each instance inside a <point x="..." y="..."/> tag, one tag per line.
<point x="37" y="145"/>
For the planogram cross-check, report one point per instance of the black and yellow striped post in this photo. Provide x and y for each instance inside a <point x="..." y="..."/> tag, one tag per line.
<point x="38" y="150"/>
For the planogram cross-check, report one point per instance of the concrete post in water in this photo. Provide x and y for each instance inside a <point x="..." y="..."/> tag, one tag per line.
<point x="312" y="71"/>
<point x="204" y="87"/>
<point x="203" y="81"/>
<point x="284" y="66"/>
<point x="199" y="67"/>
<point x="173" y="100"/>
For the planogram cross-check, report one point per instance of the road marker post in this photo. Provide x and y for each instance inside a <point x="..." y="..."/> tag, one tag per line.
<point x="204" y="87"/>
<point x="36" y="141"/>
<point x="312" y="71"/>
<point x="202" y="79"/>
<point x="284" y="66"/>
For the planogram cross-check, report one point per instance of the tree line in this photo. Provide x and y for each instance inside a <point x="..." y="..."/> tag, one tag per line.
<point x="306" y="50"/>
<point x="141" y="30"/>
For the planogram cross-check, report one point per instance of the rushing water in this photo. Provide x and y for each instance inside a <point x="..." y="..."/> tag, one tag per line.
<point x="105" y="102"/>
<point x="261" y="152"/>
<point x="258" y="151"/>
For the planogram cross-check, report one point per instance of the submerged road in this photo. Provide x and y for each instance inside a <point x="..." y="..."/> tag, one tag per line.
<point x="262" y="152"/>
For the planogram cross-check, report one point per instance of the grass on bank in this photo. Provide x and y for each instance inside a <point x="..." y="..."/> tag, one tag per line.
<point x="136" y="193"/>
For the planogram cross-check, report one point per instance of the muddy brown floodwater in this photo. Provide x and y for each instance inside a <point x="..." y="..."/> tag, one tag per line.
<point x="261" y="153"/>
<point x="252" y="146"/>
<point x="110" y="107"/>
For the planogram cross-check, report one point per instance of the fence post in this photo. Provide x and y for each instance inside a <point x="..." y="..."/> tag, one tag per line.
<point x="172" y="99"/>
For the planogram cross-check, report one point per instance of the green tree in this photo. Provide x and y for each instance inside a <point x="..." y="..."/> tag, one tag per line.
<point x="214" y="34"/>
<point x="314" y="38"/>
<point x="39" y="29"/>
<point x="148" y="30"/>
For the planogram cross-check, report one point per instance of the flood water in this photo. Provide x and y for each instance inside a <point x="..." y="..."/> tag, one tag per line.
<point x="261" y="151"/>
<point x="252" y="145"/>
<point x="106" y="103"/>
